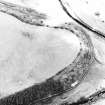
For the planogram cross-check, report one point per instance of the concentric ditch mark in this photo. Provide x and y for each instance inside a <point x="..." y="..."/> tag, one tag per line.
<point x="68" y="78"/>
<point x="74" y="73"/>
<point x="71" y="76"/>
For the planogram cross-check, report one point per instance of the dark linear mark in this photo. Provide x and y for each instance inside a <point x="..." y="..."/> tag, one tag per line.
<point x="82" y="23"/>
